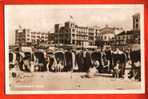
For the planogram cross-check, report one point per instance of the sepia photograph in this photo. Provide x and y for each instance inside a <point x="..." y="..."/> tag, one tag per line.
<point x="74" y="49"/>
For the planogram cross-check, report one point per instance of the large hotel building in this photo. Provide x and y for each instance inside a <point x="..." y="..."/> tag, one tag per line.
<point x="71" y="35"/>
<point x="27" y="37"/>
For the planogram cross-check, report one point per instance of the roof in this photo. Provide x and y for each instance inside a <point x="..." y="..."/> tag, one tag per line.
<point x="126" y="33"/>
<point x="107" y="30"/>
<point x="136" y="14"/>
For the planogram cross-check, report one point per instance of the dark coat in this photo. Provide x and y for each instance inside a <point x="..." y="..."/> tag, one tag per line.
<point x="135" y="56"/>
<point x="87" y="62"/>
<point x="80" y="61"/>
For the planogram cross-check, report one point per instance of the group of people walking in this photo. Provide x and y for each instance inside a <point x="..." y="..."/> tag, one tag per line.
<point x="114" y="61"/>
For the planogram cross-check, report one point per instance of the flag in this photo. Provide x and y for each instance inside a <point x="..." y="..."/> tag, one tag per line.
<point x="20" y="26"/>
<point x="71" y="17"/>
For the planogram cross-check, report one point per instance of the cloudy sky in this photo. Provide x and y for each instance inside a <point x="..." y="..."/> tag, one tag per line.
<point x="43" y="17"/>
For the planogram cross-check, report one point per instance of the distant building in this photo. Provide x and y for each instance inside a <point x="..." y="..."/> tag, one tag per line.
<point x="51" y="38"/>
<point x="27" y="37"/>
<point x="22" y="36"/>
<point x="128" y="38"/>
<point x="73" y="36"/>
<point x="107" y="34"/>
<point x="123" y="40"/>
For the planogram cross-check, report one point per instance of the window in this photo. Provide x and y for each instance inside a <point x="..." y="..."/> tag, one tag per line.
<point x="73" y="42"/>
<point x="101" y="37"/>
<point x="73" y="30"/>
<point x="109" y="38"/>
<point x="137" y="25"/>
<point x="104" y="37"/>
<point x="73" y="35"/>
<point x="137" y="20"/>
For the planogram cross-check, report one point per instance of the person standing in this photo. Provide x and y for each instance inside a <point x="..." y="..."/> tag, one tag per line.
<point x="109" y="59"/>
<point x="136" y="67"/>
<point x="96" y="59"/>
<point x="19" y="58"/>
<point x="87" y="62"/>
<point x="80" y="61"/>
<point x="122" y="60"/>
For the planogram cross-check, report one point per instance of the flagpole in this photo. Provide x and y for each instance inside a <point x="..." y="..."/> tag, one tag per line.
<point x="71" y="18"/>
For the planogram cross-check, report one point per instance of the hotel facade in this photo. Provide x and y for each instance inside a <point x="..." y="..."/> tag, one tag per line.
<point x="71" y="35"/>
<point x="25" y="37"/>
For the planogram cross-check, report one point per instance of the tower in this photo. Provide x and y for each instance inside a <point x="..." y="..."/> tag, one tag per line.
<point x="136" y="22"/>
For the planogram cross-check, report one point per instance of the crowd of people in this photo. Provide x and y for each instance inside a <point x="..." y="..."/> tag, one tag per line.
<point x="102" y="60"/>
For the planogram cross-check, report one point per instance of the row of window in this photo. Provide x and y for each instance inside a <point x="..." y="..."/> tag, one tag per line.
<point x="124" y="37"/>
<point x="104" y="37"/>
<point x="83" y="30"/>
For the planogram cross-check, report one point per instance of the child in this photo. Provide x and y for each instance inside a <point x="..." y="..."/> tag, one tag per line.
<point x="59" y="66"/>
<point x="91" y="72"/>
<point x="117" y="70"/>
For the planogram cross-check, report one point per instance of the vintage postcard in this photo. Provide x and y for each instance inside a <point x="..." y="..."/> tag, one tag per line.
<point x="74" y="49"/>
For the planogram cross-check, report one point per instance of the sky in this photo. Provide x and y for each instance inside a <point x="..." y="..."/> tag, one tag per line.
<point x="43" y="17"/>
